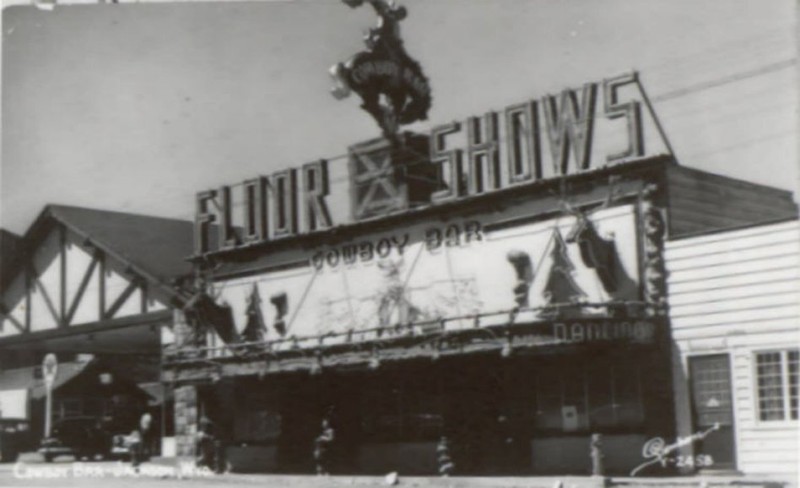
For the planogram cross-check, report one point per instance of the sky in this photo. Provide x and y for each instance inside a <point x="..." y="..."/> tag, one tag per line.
<point x="137" y="107"/>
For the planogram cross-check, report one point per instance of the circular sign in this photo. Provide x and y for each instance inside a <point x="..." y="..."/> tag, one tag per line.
<point x="49" y="369"/>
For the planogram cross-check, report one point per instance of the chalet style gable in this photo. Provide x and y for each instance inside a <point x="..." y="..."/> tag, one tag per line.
<point x="80" y="267"/>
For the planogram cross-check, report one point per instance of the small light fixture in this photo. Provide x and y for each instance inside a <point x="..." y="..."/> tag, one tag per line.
<point x="507" y="349"/>
<point x="375" y="360"/>
<point x="105" y="378"/>
<point x="436" y="354"/>
<point x="316" y="366"/>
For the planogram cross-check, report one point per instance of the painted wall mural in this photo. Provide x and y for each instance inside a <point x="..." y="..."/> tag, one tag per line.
<point x="442" y="270"/>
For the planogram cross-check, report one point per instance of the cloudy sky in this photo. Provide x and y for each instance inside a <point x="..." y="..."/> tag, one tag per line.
<point x="136" y="107"/>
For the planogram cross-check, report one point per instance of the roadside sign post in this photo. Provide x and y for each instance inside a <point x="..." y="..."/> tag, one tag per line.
<point x="49" y="372"/>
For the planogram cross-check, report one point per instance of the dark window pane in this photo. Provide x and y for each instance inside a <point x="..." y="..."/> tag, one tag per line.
<point x="627" y="396"/>
<point x="711" y="390"/>
<point x="602" y="412"/>
<point x="548" y="399"/>
<point x="793" y="358"/>
<point x="770" y="386"/>
<point x="573" y="412"/>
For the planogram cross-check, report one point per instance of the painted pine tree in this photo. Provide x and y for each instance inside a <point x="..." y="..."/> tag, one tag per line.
<point x="561" y="287"/>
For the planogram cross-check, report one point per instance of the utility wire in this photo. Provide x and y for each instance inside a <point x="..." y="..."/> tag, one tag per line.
<point x="671" y="95"/>
<point x="786" y="63"/>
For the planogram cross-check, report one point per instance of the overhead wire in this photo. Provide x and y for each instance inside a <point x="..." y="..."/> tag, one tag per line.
<point x="423" y="159"/>
<point x="666" y="96"/>
<point x="745" y="143"/>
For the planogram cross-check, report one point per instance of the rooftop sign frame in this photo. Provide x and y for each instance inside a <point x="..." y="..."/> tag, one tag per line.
<point x="294" y="201"/>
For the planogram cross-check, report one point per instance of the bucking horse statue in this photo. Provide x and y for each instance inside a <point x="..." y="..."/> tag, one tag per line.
<point x="391" y="84"/>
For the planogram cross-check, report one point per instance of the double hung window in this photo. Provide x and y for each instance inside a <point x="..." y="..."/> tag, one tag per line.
<point x="777" y="382"/>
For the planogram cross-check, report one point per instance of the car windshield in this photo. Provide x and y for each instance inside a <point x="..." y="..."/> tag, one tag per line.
<point x="68" y="426"/>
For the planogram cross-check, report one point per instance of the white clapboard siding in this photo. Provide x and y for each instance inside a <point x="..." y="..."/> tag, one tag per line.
<point x="770" y="250"/>
<point x="741" y="269"/>
<point x="738" y="292"/>
<point x="742" y="291"/>
<point x="734" y="319"/>
<point x="757" y="277"/>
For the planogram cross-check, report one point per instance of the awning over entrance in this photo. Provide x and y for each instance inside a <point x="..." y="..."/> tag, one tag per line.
<point x="72" y="375"/>
<point x="410" y="342"/>
<point x="26" y="378"/>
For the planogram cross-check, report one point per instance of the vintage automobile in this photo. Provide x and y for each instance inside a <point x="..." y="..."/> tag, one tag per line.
<point x="15" y="437"/>
<point x="81" y="437"/>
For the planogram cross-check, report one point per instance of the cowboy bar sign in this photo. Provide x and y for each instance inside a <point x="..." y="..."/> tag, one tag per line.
<point x="538" y="139"/>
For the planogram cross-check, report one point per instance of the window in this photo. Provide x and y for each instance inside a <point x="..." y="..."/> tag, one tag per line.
<point x="778" y="380"/>
<point x="711" y="389"/>
<point x="402" y="409"/>
<point x="578" y="398"/>
<point x="70" y="407"/>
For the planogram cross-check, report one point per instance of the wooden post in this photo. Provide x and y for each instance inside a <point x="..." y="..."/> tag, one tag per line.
<point x="596" y="453"/>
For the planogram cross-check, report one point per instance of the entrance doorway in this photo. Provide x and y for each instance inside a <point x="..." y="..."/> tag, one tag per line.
<point x="711" y="405"/>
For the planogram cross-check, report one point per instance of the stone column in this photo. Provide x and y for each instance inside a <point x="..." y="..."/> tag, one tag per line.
<point x="182" y="330"/>
<point x="186" y="420"/>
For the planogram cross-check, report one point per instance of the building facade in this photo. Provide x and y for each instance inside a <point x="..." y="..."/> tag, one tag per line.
<point x="97" y="289"/>
<point x="493" y="293"/>
<point x="735" y="313"/>
<point x="517" y="324"/>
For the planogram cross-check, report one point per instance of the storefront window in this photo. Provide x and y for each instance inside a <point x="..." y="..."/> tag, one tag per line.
<point x="602" y="411"/>
<point x="627" y="402"/>
<point x="406" y="409"/>
<point x="548" y="399"/>
<point x="573" y="398"/>
<point x="382" y="412"/>
<point x="777" y="384"/>
<point x="573" y="411"/>
<point x="72" y="407"/>
<point x="256" y="418"/>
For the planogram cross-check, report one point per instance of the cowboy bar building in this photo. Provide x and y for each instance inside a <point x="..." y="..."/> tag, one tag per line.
<point x="483" y="290"/>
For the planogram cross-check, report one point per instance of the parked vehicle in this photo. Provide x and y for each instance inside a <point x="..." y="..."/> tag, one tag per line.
<point x="82" y="437"/>
<point x="15" y="437"/>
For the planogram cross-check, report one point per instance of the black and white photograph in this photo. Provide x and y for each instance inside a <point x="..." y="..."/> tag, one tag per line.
<point x="421" y="243"/>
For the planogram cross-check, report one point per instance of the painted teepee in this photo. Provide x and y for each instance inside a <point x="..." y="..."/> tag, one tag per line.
<point x="560" y="287"/>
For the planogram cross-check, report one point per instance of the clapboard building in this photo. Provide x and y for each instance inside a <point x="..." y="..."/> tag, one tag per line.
<point x="500" y="284"/>
<point x="735" y="314"/>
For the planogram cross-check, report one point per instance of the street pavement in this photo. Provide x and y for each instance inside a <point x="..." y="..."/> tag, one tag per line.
<point x="32" y="471"/>
<point x="64" y="472"/>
